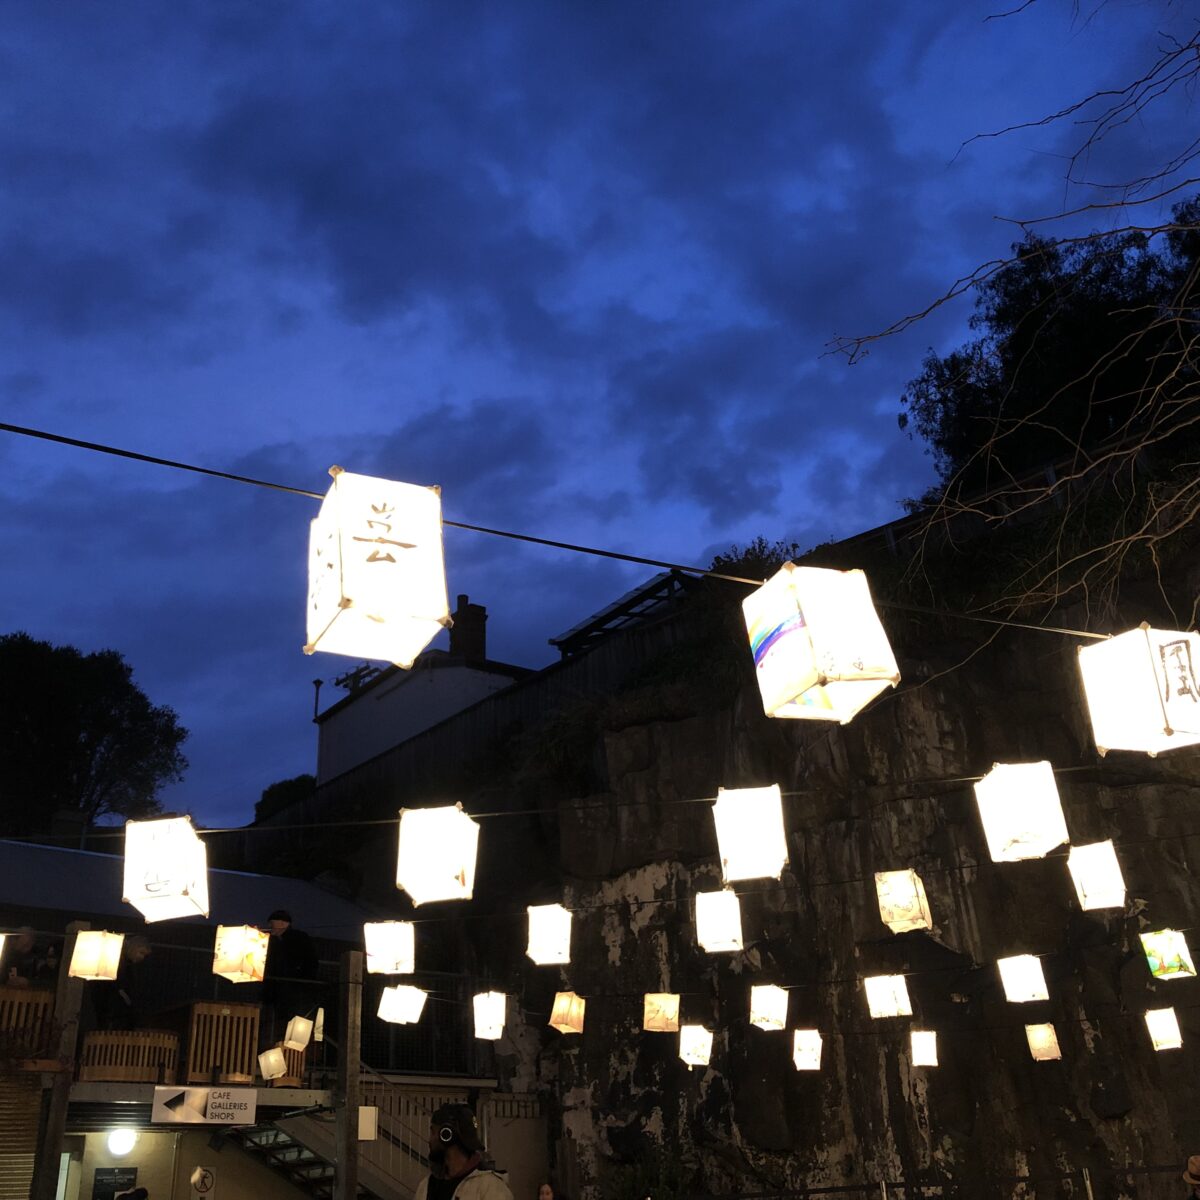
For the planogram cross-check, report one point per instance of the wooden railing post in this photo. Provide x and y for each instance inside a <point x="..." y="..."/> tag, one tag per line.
<point x="349" y="1080"/>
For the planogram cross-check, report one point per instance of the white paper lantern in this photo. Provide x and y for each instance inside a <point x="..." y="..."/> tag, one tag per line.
<point x="768" y="1006"/>
<point x="923" y="1043"/>
<point x="1021" y="812"/>
<point x="695" y="1045"/>
<point x="820" y="652"/>
<point x="750" y="833"/>
<point x="887" y="996"/>
<point x="903" y="906"/>
<point x="97" y="955"/>
<point x="299" y="1034"/>
<point x="1141" y="690"/>
<point x="391" y="947"/>
<point x="272" y="1063"/>
<point x="806" y="1049"/>
<point x="660" y="1012"/>
<point x="567" y="1014"/>
<point x="166" y="869"/>
<point x="489" y="1014"/>
<point x="1167" y="954"/>
<point x="401" y="1004"/>
<point x="1023" y="979"/>
<point x="549" y="934"/>
<point x="376" y="574"/>
<point x="1097" y="876"/>
<point x="1043" y="1042"/>
<point x="718" y="921"/>
<point x="436" y="858"/>
<point x="1164" y="1029"/>
<point x="240" y="953"/>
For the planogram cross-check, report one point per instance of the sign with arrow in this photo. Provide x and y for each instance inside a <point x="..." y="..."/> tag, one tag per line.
<point x="203" y="1106"/>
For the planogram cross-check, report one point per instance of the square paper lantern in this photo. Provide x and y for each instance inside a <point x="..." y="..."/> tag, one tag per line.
<point x="718" y="921"/>
<point x="240" y="953"/>
<point x="376" y="575"/>
<point x="750" y="833"/>
<point x="924" y="1048"/>
<point x="806" y="1049"/>
<point x="902" y="903"/>
<point x="768" y="1006"/>
<point x="299" y="1034"/>
<point x="1141" y="690"/>
<point x="660" y="1012"/>
<point x="489" y="1014"/>
<point x="820" y="652"/>
<point x="391" y="947"/>
<point x="97" y="955"/>
<point x="402" y="1004"/>
<point x="272" y="1063"/>
<point x="1023" y="979"/>
<point x="1164" y="1029"/>
<point x="1043" y="1043"/>
<point x="1021" y="813"/>
<point x="567" y="1014"/>
<point x="1168" y="955"/>
<point x="166" y="869"/>
<point x="1097" y="876"/>
<point x="695" y="1045"/>
<point x="549" y="934"/>
<point x="436" y="858"/>
<point x="887" y="996"/>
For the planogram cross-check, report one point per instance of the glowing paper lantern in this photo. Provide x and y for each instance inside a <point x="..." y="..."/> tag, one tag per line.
<point x="436" y="858"/>
<point x="806" y="1049"/>
<point x="1043" y="1042"/>
<point x="489" y="1014"/>
<point x="1168" y="955"/>
<point x="272" y="1063"/>
<point x="902" y="903"/>
<point x="1141" y="690"/>
<point x="391" y="947"/>
<point x="768" y="1006"/>
<point x="240" y="953"/>
<point x="660" y="1012"/>
<point x="820" y="652"/>
<point x="97" y="955"/>
<point x="1021" y="813"/>
<point x="1023" y="979"/>
<point x="166" y="869"/>
<point x="1097" y="876"/>
<point x="1164" y="1029"/>
<point x="887" y="996"/>
<point x="299" y="1034"/>
<point x="567" y="1014"/>
<point x="376" y="575"/>
<point x="718" y="921"/>
<point x="549" y="934"/>
<point x="401" y="1004"/>
<point x="695" y="1045"/>
<point x="924" y="1048"/>
<point x="750" y="833"/>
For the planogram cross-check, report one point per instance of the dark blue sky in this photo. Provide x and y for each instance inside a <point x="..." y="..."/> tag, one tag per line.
<point x="577" y="263"/>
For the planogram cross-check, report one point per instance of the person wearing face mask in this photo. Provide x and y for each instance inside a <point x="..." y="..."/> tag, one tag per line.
<point x="456" y="1160"/>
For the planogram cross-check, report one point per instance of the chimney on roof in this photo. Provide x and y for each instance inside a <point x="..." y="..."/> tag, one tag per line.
<point x="468" y="635"/>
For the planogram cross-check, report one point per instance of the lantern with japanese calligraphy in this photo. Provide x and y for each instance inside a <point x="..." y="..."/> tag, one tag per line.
<point x="1141" y="690"/>
<point x="923" y="1043"/>
<point x="887" y="996"/>
<point x="272" y="1063"/>
<point x="718" y="921"/>
<point x="1163" y="1027"/>
<point x="695" y="1045"/>
<point x="1097" y="876"/>
<point x="401" y="1004"/>
<point x="436" y="858"/>
<point x="768" y="1006"/>
<point x="489" y="1014"/>
<point x="1043" y="1043"/>
<point x="376" y="575"/>
<point x="660" y="1012"/>
<point x="549" y="934"/>
<point x="391" y="947"/>
<point x="97" y="955"/>
<point x="1023" y="979"/>
<point x="902" y="903"/>
<point x="806" y="1049"/>
<point x="567" y="1014"/>
<point x="240" y="953"/>
<point x="750" y="833"/>
<point x="299" y="1034"/>
<point x="166" y="869"/>
<point x="1021" y="813"/>
<point x="820" y="652"/>
<point x="1167" y="954"/>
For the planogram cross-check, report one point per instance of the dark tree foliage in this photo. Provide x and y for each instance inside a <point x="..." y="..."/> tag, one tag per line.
<point x="758" y="559"/>
<point x="77" y="734"/>
<point x="286" y="792"/>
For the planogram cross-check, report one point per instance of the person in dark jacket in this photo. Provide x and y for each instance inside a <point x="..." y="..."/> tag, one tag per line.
<point x="291" y="965"/>
<point x="119" y="1004"/>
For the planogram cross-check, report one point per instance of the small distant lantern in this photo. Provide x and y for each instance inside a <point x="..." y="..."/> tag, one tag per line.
<point x="750" y="833"/>
<point x="549" y="934"/>
<point x="695" y="1045"/>
<point x="768" y="1006"/>
<point x="1043" y="1043"/>
<point x="1163" y="1027"/>
<point x="489" y="1014"/>
<point x="903" y="906"/>
<point x="718" y="921"/>
<point x="806" y="1049"/>
<point x="660" y="1012"/>
<point x="391" y="947"/>
<point x="436" y="858"/>
<point x="1021" y="811"/>
<point x="1167" y="954"/>
<point x="376" y="574"/>
<point x="166" y="869"/>
<point x="401" y="1004"/>
<point x="1097" y="876"/>
<point x="567" y="1014"/>
<point x="820" y="652"/>
<point x="299" y="1034"/>
<point x="1141" y="689"/>
<point x="1023" y="979"/>
<point x="272" y="1063"/>
<point x="240" y="953"/>
<point x="887" y="996"/>
<point x="923" y="1043"/>
<point x="97" y="955"/>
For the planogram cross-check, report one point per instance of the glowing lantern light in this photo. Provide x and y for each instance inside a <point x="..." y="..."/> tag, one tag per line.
<point x="750" y="833"/>
<point x="1097" y="876"/>
<point x="240" y="953"/>
<point x="1168" y="955"/>
<point x="903" y="906"/>
<point x="97" y="955"/>
<point x="1164" y="1029"/>
<point x="718" y="921"/>
<point x="166" y="869"/>
<point x="376" y="575"/>
<point x="806" y="1049"/>
<point x="887" y="996"/>
<point x="1021" y="813"/>
<point x="549" y="934"/>
<point x="436" y="859"/>
<point x="1141" y="690"/>
<point x="272" y="1063"/>
<point x="391" y="947"/>
<point x="1023" y="979"/>
<point x="660" y="1012"/>
<point x="820" y="652"/>
<point x="489" y="1014"/>
<point x="567" y="1014"/>
<point x="299" y="1034"/>
<point x="1043" y="1043"/>
<point x="924" y="1048"/>
<point x="401" y="1004"/>
<point x="768" y="1006"/>
<point x="695" y="1045"/>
